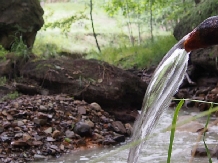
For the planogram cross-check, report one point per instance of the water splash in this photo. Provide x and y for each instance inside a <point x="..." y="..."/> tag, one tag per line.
<point x="165" y="82"/>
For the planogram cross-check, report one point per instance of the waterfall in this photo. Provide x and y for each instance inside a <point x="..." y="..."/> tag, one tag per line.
<point x="165" y="82"/>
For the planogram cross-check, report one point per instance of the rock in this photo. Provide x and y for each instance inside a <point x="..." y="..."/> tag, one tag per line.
<point x="119" y="138"/>
<point x="202" y="152"/>
<point x="129" y="129"/>
<point x="31" y="129"/>
<point x="20" y="123"/>
<point x="215" y="90"/>
<point x="117" y="88"/>
<point x="109" y="141"/>
<point x="6" y="124"/>
<point x="19" y="18"/>
<point x="56" y="134"/>
<point x="90" y="123"/>
<point x="42" y="108"/>
<point x="81" y="110"/>
<point x="118" y="127"/>
<point x="19" y="143"/>
<point x="39" y="121"/>
<point x="39" y="157"/>
<point x="48" y="130"/>
<point x="69" y="134"/>
<point x="95" y="106"/>
<point x="50" y="139"/>
<point x="192" y="126"/>
<point x="82" y="129"/>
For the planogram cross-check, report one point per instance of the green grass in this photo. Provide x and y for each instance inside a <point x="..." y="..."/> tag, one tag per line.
<point x="141" y="56"/>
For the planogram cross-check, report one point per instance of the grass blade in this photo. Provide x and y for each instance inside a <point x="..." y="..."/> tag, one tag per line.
<point x="204" y="135"/>
<point x="173" y="129"/>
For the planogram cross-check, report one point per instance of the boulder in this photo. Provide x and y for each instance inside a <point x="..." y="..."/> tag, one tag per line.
<point x="19" y="18"/>
<point x="90" y="80"/>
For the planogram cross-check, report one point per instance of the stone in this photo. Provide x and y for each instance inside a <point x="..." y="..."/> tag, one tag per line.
<point x="69" y="134"/>
<point x="202" y="152"/>
<point x="119" y="138"/>
<point x="95" y="106"/>
<point x="81" y="110"/>
<point x="39" y="121"/>
<point x="56" y="134"/>
<point x="118" y="127"/>
<point x="20" y="18"/>
<point x="192" y="126"/>
<point x="90" y="123"/>
<point x="48" y="130"/>
<point x="129" y="129"/>
<point x="82" y="129"/>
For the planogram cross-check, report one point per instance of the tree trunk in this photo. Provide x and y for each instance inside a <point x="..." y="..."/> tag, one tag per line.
<point x="139" y="27"/>
<point x="131" y="38"/>
<point x="151" y="21"/>
<point x="93" y="29"/>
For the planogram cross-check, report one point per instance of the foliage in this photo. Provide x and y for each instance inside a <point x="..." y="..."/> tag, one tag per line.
<point x="3" y="80"/>
<point x="20" y="48"/>
<point x="3" y="52"/>
<point x="64" y="23"/>
<point x="11" y="96"/>
<point x="139" y="56"/>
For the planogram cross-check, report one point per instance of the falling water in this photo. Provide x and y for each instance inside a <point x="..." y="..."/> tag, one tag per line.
<point x="165" y="82"/>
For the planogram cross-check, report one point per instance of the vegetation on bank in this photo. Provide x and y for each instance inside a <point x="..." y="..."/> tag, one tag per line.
<point x="112" y="27"/>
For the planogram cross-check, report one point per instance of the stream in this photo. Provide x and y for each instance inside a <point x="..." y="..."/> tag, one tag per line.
<point x="156" y="148"/>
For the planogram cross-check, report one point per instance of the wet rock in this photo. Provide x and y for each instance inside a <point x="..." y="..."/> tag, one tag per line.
<point x="192" y="126"/>
<point x="119" y="138"/>
<point x="109" y="141"/>
<point x="202" y="152"/>
<point x="118" y="127"/>
<point x="82" y="129"/>
<point x="129" y="129"/>
<point x="39" y="157"/>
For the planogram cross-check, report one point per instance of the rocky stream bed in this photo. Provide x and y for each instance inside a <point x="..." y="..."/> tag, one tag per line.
<point x="40" y="127"/>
